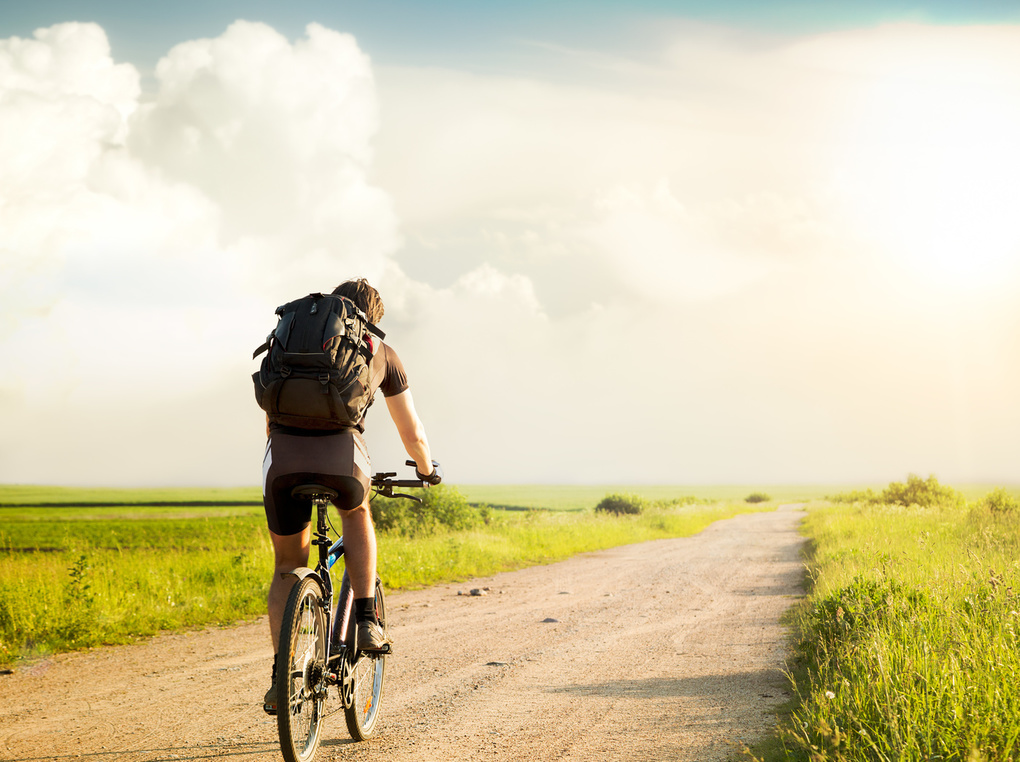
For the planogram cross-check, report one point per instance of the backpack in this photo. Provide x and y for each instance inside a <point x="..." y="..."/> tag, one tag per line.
<point x="316" y="373"/>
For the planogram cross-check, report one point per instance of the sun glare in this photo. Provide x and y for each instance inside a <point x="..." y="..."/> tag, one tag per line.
<point x="934" y="173"/>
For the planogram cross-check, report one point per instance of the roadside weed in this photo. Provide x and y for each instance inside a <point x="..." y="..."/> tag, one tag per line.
<point x="909" y="641"/>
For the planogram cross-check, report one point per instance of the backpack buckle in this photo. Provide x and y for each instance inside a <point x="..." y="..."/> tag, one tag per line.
<point x="324" y="380"/>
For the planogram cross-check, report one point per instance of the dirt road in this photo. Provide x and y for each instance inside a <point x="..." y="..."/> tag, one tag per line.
<point x="668" y="650"/>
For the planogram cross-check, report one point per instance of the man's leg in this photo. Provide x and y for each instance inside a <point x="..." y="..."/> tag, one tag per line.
<point x="360" y="559"/>
<point x="291" y="552"/>
<point x="359" y="549"/>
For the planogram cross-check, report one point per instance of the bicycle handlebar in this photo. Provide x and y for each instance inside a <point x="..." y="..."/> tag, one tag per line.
<point x="384" y="484"/>
<point x="384" y="481"/>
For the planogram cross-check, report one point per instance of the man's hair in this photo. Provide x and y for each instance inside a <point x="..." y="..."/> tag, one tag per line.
<point x="364" y="296"/>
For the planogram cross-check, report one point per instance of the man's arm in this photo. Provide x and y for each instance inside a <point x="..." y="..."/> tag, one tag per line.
<point x="411" y="430"/>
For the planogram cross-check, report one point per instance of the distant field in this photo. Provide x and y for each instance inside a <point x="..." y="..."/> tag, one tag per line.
<point x="26" y="494"/>
<point x="558" y="497"/>
<point x="573" y="497"/>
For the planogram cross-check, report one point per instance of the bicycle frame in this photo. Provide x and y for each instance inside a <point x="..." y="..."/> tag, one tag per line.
<point x="319" y="645"/>
<point x="331" y="552"/>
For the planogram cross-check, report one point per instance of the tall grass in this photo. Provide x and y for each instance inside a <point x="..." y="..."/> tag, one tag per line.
<point x="909" y="639"/>
<point x="115" y="582"/>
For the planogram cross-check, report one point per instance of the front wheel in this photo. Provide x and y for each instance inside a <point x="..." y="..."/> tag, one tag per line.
<point x="366" y="676"/>
<point x="301" y="672"/>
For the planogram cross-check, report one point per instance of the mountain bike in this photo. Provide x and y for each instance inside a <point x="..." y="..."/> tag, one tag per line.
<point x="318" y="643"/>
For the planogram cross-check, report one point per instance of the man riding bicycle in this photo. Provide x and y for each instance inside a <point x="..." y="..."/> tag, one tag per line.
<point x="337" y="459"/>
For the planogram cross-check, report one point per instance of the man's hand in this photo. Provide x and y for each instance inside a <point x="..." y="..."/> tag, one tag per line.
<point x="431" y="479"/>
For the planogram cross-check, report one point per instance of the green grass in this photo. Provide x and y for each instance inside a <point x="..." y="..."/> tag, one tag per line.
<point x="77" y="576"/>
<point x="908" y="642"/>
<point x="96" y="582"/>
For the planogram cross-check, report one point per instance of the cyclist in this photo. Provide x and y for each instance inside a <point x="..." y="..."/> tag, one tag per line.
<point x="337" y="459"/>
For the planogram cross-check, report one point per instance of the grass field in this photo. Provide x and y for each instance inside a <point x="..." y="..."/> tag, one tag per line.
<point x="908" y="643"/>
<point x="75" y="576"/>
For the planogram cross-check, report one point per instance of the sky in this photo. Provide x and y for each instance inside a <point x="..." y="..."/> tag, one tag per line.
<point x="618" y="243"/>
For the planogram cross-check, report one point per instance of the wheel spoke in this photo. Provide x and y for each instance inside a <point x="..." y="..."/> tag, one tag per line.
<point x="302" y="638"/>
<point x="366" y="683"/>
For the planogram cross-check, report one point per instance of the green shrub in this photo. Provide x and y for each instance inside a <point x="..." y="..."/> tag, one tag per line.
<point x="999" y="502"/>
<point x="620" y="505"/>
<point x="442" y="507"/>
<point x="925" y="493"/>
<point x="922" y="492"/>
<point x="757" y="497"/>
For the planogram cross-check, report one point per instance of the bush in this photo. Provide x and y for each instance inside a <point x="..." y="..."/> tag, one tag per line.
<point x="914" y="491"/>
<point x="999" y="502"/>
<point x="442" y="507"/>
<point x="757" y="497"/>
<point x="620" y="505"/>
<point x="923" y="492"/>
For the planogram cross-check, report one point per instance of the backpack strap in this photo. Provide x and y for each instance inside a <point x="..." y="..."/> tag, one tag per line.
<point x="263" y="348"/>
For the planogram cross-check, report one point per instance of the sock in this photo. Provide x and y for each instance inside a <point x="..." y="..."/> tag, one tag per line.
<point x="364" y="610"/>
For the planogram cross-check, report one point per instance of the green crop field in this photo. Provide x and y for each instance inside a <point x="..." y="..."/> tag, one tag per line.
<point x="25" y="494"/>
<point x="92" y="567"/>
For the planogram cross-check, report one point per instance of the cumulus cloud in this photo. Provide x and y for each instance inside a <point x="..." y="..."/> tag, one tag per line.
<point x="63" y="103"/>
<point x="278" y="137"/>
<point x="146" y="241"/>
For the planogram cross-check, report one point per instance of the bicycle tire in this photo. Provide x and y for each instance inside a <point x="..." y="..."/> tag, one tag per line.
<point x="367" y="674"/>
<point x="301" y="671"/>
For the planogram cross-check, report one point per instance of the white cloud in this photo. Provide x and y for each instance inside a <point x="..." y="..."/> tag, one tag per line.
<point x="278" y="136"/>
<point x="145" y="245"/>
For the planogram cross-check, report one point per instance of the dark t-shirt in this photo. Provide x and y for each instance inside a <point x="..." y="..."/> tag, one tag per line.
<point x="386" y="374"/>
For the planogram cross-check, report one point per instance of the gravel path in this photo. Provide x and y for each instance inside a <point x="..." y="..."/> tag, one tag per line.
<point x="667" y="650"/>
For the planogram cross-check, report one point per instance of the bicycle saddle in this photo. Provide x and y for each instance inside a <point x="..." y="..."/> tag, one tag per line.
<point x="312" y="491"/>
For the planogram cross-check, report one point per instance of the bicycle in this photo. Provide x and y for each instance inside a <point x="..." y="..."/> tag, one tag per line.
<point x="318" y="643"/>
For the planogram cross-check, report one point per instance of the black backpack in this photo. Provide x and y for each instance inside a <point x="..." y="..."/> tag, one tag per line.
<point x="316" y="374"/>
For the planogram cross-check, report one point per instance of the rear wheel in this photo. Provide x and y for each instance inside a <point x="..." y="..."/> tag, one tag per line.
<point x="366" y="677"/>
<point x="301" y="672"/>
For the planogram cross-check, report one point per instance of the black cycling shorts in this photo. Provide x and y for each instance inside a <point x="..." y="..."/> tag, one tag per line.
<point x="338" y="460"/>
